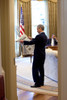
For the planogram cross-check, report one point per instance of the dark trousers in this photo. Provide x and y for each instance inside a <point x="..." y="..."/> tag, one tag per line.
<point x="38" y="71"/>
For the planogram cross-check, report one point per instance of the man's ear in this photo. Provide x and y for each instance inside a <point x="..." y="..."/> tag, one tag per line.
<point x="40" y="29"/>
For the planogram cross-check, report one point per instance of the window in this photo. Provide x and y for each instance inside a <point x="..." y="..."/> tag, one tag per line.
<point x="16" y="25"/>
<point x="39" y="10"/>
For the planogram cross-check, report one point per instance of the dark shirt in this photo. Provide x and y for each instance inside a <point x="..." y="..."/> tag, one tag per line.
<point x="49" y="42"/>
<point x="40" y="42"/>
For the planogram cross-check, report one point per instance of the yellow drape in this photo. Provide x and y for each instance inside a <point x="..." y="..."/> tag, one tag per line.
<point x="25" y="0"/>
<point x="52" y="18"/>
<point x="26" y="6"/>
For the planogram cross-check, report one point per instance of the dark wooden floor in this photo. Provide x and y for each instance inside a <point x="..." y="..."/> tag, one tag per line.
<point x="25" y="95"/>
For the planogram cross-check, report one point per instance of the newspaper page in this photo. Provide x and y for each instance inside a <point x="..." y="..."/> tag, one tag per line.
<point x="27" y="49"/>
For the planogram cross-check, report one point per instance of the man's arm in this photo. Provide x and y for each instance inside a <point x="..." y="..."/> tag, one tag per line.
<point x="28" y="42"/>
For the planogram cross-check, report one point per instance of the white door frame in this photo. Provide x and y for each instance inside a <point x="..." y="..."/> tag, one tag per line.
<point x="62" y="56"/>
<point x="0" y="46"/>
<point x="8" y="47"/>
<point x="8" y="54"/>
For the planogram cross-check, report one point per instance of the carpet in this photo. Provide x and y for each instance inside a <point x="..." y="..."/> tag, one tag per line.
<point x="25" y="84"/>
<point x="24" y="74"/>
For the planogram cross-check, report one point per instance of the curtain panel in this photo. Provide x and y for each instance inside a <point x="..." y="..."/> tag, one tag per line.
<point x="25" y="0"/>
<point x="52" y="18"/>
<point x="26" y="6"/>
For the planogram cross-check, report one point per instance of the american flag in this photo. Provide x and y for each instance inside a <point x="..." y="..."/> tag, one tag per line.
<point x="22" y="31"/>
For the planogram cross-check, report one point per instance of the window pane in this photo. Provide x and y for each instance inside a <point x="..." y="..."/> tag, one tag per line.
<point x="16" y="34"/>
<point x="39" y="11"/>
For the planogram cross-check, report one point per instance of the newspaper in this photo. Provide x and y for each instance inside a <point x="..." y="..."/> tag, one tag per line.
<point x="23" y="37"/>
<point x="27" y="49"/>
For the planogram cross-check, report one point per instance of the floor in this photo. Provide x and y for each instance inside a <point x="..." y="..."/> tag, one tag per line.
<point x="24" y="69"/>
<point x="25" y="95"/>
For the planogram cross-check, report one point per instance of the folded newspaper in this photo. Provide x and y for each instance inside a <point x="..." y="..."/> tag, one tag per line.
<point x="23" y="37"/>
<point x="27" y="49"/>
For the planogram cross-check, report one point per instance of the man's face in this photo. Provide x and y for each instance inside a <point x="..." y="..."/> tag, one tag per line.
<point x="38" y="30"/>
<point x="53" y="36"/>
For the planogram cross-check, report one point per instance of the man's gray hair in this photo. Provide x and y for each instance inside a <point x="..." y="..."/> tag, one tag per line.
<point x="41" y="26"/>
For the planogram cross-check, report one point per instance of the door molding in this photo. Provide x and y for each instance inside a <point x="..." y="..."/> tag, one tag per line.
<point x="8" y="48"/>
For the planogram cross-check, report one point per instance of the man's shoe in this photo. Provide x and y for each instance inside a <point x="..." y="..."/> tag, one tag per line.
<point x="41" y="84"/>
<point x="35" y="86"/>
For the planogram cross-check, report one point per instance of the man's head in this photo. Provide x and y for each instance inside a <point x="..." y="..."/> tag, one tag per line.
<point x="53" y="36"/>
<point x="40" y="28"/>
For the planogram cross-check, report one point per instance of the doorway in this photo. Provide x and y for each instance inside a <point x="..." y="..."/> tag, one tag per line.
<point x="52" y="75"/>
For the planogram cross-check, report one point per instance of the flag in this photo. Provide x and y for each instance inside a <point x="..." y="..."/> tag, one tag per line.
<point x="22" y="31"/>
<point x="27" y="49"/>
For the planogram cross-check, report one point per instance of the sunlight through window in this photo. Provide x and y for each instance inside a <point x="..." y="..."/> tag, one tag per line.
<point x="39" y="10"/>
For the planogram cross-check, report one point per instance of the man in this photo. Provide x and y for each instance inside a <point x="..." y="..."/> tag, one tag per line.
<point x="39" y="56"/>
<point x="52" y="41"/>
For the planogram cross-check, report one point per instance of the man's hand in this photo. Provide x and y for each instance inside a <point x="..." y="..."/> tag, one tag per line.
<point x="30" y="37"/>
<point x="21" y="41"/>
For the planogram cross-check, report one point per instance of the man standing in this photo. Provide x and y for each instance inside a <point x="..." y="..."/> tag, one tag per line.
<point x="40" y="42"/>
